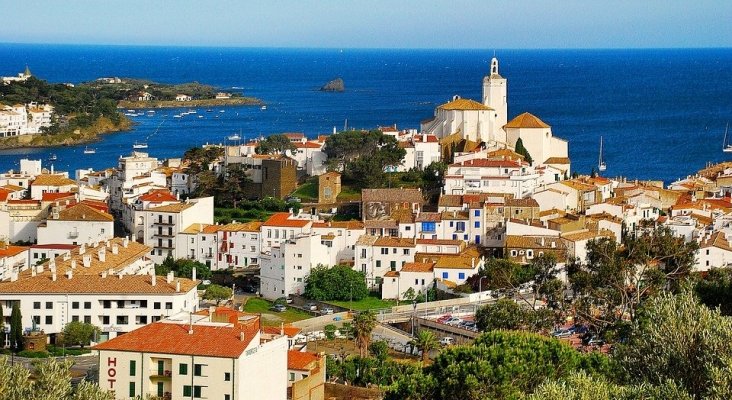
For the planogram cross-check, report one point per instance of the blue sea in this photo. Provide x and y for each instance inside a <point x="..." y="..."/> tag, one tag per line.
<point x="661" y="113"/>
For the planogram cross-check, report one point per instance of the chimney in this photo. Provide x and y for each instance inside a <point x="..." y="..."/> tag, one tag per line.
<point x="104" y="274"/>
<point x="53" y="275"/>
<point x="125" y="242"/>
<point x="177" y="285"/>
<point x="69" y="274"/>
<point x="13" y="275"/>
<point x="241" y="336"/>
<point x="40" y="268"/>
<point x="102" y="254"/>
<point x="33" y="272"/>
<point x="66" y="256"/>
<point x="169" y="277"/>
<point x="282" y="328"/>
<point x="211" y="311"/>
<point x="87" y="260"/>
<point x="82" y="248"/>
<point x="120" y="275"/>
<point x="193" y="274"/>
<point x="154" y="279"/>
<point x="73" y="264"/>
<point x="115" y="249"/>
<point x="472" y="263"/>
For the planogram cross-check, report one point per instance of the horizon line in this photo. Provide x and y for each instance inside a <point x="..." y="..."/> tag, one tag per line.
<point x="202" y="46"/>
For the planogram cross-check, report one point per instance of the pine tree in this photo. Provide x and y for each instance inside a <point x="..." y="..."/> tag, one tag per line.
<point x="520" y="149"/>
<point x="16" y="328"/>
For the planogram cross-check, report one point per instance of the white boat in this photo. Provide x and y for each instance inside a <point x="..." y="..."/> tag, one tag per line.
<point x="177" y="116"/>
<point x="601" y="164"/>
<point x="264" y="108"/>
<point x="726" y="147"/>
<point x="130" y="111"/>
<point x="139" y="145"/>
<point x="52" y="157"/>
<point x="192" y="111"/>
<point x="200" y="116"/>
<point x="221" y="111"/>
<point x="89" y="150"/>
<point x="234" y="137"/>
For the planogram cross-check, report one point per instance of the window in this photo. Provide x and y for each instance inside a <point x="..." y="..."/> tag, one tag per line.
<point x="461" y="275"/>
<point x="36" y="319"/>
<point x="428" y="226"/>
<point x="292" y="376"/>
<point x="133" y="367"/>
<point x="513" y="253"/>
<point x="407" y="228"/>
<point x="183" y="369"/>
<point x="197" y="392"/>
<point x="132" y="389"/>
<point x="460" y="226"/>
<point x="75" y="318"/>
<point x="416" y="281"/>
<point x="168" y="305"/>
<point x="477" y="213"/>
<point x="87" y="319"/>
<point x="406" y="252"/>
<point x="87" y="305"/>
<point x="378" y="263"/>
<point x="49" y="305"/>
<point x="444" y="275"/>
<point x="105" y="319"/>
<point x="187" y="391"/>
<point x="156" y="305"/>
<point x="197" y="369"/>
<point x="227" y="376"/>
<point x="122" y="320"/>
<point x="392" y="265"/>
<point x="49" y="319"/>
<point x="384" y="250"/>
<point x="477" y="224"/>
<point x="227" y="397"/>
<point x="36" y="305"/>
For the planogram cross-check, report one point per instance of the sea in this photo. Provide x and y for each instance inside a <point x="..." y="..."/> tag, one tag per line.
<point x="661" y="113"/>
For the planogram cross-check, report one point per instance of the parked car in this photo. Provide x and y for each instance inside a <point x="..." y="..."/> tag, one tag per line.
<point x="560" y="333"/>
<point x="279" y="308"/>
<point x="327" y="310"/>
<point x="288" y="299"/>
<point x="454" y="321"/>
<point x="447" y="341"/>
<point x="311" y="306"/>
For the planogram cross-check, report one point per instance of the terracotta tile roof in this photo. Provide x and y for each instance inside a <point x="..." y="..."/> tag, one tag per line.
<point x="521" y="203"/>
<point x="391" y="274"/>
<point x="294" y="135"/>
<point x="56" y="196"/>
<point x="429" y="217"/>
<point x="392" y="195"/>
<point x="366" y="240"/>
<point x="4" y="194"/>
<point x="54" y="246"/>
<point x="99" y="205"/>
<point x="463" y="104"/>
<point x="220" y="340"/>
<point x="197" y="228"/>
<point x="587" y="235"/>
<point x="308" y="145"/>
<point x="386" y="241"/>
<point x="172" y="208"/>
<point x="14" y="188"/>
<point x="158" y="196"/>
<point x="533" y="242"/>
<point x="443" y="242"/>
<point x="52" y="180"/>
<point x="526" y="120"/>
<point x="425" y="139"/>
<point x="236" y="227"/>
<point x="352" y="225"/>
<point x="284" y="219"/>
<point x="576" y="185"/>
<point x="289" y="330"/>
<point x="718" y="240"/>
<point x="448" y="283"/>
<point x="403" y="216"/>
<point x="82" y="212"/>
<point x="9" y="251"/>
<point x="505" y="153"/>
<point x="455" y="215"/>
<point x="557" y="160"/>
<point x="386" y="223"/>
<point x="417" y="267"/>
<point x="482" y="162"/>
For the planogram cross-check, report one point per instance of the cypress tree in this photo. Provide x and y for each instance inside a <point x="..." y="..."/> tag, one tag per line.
<point x="2" y="328"/>
<point x="520" y="149"/>
<point x="16" y="328"/>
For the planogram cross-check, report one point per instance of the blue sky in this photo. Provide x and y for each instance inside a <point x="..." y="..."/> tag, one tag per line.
<point x="372" y="24"/>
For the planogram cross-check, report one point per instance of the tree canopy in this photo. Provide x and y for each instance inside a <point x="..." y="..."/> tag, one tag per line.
<point x="520" y="149"/>
<point x="217" y="292"/>
<point x="79" y="333"/>
<point x="363" y="156"/>
<point x="183" y="268"/>
<point x="340" y="282"/>
<point x="275" y="144"/>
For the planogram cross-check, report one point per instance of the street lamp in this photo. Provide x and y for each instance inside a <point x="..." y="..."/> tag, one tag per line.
<point x="414" y="314"/>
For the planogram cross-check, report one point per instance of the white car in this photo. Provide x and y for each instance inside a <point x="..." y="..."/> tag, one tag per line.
<point x="447" y="341"/>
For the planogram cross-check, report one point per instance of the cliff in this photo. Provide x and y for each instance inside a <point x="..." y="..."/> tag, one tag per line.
<point x="336" y="85"/>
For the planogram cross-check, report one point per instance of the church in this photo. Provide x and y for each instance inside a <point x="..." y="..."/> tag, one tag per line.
<point x="486" y="125"/>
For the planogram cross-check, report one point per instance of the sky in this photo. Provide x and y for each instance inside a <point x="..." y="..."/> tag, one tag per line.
<point x="372" y="24"/>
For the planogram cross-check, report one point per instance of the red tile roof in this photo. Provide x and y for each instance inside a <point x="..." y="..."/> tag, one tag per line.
<point x="283" y="219"/>
<point x="301" y="360"/>
<point x="158" y="196"/>
<point x="290" y="331"/>
<point x="482" y="162"/>
<point x="55" y="196"/>
<point x="99" y="205"/>
<point x="10" y="251"/>
<point x="167" y="338"/>
<point x="308" y="145"/>
<point x="526" y="120"/>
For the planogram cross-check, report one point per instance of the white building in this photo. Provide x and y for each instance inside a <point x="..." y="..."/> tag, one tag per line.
<point x="714" y="252"/>
<point x="537" y="138"/>
<point x="52" y="183"/>
<point x="280" y="227"/>
<point x="286" y="266"/>
<point x="195" y="356"/>
<point x="162" y="224"/>
<point x="112" y="286"/>
<point x="12" y="258"/>
<point x="491" y="176"/>
<point x="77" y="224"/>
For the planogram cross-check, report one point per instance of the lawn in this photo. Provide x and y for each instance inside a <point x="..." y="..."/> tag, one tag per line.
<point x="349" y="193"/>
<point x="256" y="305"/>
<point x="367" y="303"/>
<point x="227" y="215"/>
<point x="307" y="192"/>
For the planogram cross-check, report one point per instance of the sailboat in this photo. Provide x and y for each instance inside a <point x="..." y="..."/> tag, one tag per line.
<point x="601" y="164"/>
<point x="726" y="147"/>
<point x="89" y="150"/>
<point x="139" y="145"/>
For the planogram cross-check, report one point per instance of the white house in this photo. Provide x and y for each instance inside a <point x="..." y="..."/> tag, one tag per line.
<point x="12" y="258"/>
<point x="491" y="176"/>
<point x="112" y="286"/>
<point x="536" y="136"/>
<point x="77" y="224"/>
<point x="162" y="224"/>
<point x="182" y="97"/>
<point x="195" y="356"/>
<point x="52" y="183"/>
<point x="714" y="252"/>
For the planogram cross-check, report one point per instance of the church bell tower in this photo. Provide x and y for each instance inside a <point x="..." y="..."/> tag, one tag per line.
<point x="495" y="93"/>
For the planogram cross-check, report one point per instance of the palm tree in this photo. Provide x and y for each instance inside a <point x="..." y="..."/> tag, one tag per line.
<point x="363" y="324"/>
<point x="425" y="341"/>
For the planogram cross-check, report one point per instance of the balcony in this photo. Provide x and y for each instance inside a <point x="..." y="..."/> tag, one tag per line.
<point x="208" y="255"/>
<point x="160" y="222"/>
<point x="165" y="246"/>
<point x="160" y="234"/>
<point x="166" y="375"/>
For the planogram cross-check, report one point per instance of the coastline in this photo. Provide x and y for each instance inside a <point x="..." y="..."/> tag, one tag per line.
<point x="234" y="101"/>
<point x="91" y="134"/>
